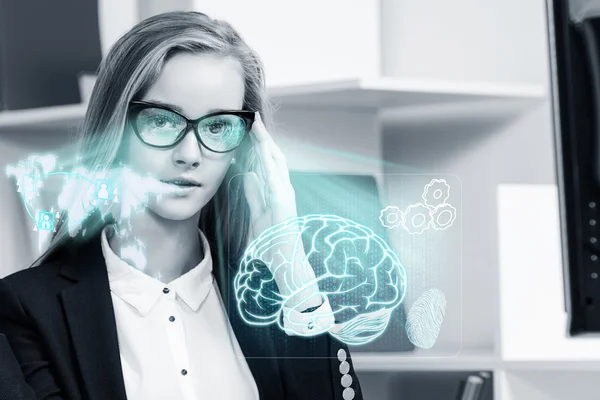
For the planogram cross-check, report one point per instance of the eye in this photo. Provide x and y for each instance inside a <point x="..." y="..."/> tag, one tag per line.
<point x="216" y="127"/>
<point x="162" y="121"/>
<point x="219" y="127"/>
<point x="222" y="132"/>
<point x="157" y="120"/>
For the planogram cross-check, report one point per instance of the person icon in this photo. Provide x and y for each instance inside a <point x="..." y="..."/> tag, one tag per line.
<point x="103" y="192"/>
<point x="103" y="189"/>
<point x="46" y="222"/>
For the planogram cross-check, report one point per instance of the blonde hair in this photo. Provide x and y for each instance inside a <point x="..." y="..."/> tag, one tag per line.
<point x="130" y="68"/>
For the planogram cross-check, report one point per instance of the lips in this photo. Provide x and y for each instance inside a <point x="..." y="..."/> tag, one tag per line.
<point x="182" y="182"/>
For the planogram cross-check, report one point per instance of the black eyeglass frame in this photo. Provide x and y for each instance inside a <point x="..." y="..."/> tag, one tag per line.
<point x="137" y="106"/>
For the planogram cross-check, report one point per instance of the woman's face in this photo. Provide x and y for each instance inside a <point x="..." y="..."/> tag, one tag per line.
<point x="194" y="85"/>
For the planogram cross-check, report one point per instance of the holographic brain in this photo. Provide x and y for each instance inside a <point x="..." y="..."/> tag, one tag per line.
<point x="355" y="269"/>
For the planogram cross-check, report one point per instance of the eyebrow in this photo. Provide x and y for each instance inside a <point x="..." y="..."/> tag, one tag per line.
<point x="180" y="110"/>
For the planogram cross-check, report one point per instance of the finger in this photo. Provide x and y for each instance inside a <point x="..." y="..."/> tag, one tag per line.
<point x="279" y="159"/>
<point x="272" y="178"/>
<point x="259" y="218"/>
<point x="261" y="177"/>
<point x="254" y="195"/>
<point x="259" y="129"/>
<point x="280" y="162"/>
<point x="267" y="158"/>
<point x="264" y="142"/>
<point x="258" y="157"/>
<point x="276" y="172"/>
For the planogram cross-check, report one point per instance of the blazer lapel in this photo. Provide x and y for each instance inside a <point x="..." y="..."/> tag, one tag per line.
<point x="90" y="317"/>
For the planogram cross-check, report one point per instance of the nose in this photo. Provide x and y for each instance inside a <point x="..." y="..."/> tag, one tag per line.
<point x="187" y="153"/>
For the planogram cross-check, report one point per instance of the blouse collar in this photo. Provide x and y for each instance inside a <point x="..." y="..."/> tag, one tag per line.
<point x="142" y="291"/>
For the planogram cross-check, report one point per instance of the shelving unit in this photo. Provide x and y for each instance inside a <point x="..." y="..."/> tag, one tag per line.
<point x="398" y="100"/>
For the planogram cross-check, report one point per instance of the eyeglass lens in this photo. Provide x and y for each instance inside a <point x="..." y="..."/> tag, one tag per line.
<point x="162" y="128"/>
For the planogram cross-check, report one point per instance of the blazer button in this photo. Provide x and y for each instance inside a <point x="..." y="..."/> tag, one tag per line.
<point x="341" y="355"/>
<point x="184" y="372"/>
<point x="344" y="367"/>
<point x="346" y="380"/>
<point x="166" y="290"/>
<point x="348" y="394"/>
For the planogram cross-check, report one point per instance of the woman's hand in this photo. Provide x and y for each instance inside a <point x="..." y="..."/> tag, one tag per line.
<point x="272" y="200"/>
<point x="270" y="193"/>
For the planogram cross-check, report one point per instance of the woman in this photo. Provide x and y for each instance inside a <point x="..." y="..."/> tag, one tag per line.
<point x="175" y="99"/>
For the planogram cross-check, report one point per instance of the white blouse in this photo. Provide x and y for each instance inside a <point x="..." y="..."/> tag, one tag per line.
<point x="175" y="339"/>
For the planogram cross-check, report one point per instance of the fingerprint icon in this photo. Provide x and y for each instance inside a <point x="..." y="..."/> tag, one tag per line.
<point x="424" y="320"/>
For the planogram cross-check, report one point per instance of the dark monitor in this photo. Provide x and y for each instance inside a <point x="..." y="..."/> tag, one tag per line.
<point x="574" y="32"/>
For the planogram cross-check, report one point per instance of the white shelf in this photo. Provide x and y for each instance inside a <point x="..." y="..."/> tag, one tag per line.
<point x="400" y="100"/>
<point x="471" y="360"/>
<point x="39" y="118"/>
<point x="424" y="361"/>
<point x="552" y="365"/>
<point x="383" y="93"/>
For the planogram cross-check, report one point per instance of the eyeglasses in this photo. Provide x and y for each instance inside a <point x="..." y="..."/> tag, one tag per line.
<point x="163" y="128"/>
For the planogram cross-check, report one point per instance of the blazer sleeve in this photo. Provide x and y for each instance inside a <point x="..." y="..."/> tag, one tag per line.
<point x="12" y="381"/>
<point x="318" y="368"/>
<point x="24" y="366"/>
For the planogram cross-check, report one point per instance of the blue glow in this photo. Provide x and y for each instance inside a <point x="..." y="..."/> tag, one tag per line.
<point x="83" y="191"/>
<point x="76" y="194"/>
<point x="361" y="277"/>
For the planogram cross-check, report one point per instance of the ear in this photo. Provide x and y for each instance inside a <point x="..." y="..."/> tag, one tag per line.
<point x="236" y="159"/>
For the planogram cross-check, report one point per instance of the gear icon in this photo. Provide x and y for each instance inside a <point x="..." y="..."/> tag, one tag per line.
<point x="416" y="219"/>
<point x="436" y="193"/>
<point x="390" y="217"/>
<point x="443" y="217"/>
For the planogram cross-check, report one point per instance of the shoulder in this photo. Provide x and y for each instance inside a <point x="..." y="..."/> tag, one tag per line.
<point x="32" y="277"/>
<point x="36" y="281"/>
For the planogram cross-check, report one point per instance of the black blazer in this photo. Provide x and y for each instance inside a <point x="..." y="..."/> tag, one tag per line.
<point x="59" y="321"/>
